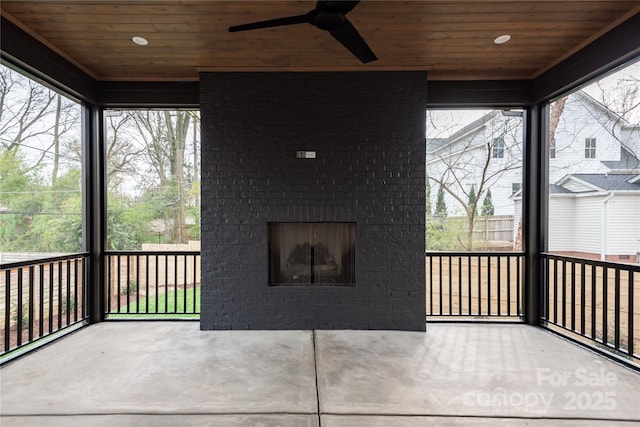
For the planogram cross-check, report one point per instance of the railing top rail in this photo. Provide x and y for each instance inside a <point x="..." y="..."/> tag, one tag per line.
<point x="598" y="263"/>
<point x="38" y="261"/>
<point x="465" y="253"/>
<point x="143" y="253"/>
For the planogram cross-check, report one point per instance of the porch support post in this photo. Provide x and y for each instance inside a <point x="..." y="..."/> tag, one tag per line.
<point x="535" y="200"/>
<point x="94" y="210"/>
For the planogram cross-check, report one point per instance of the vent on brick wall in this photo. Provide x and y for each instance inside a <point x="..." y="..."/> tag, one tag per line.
<point x="306" y="254"/>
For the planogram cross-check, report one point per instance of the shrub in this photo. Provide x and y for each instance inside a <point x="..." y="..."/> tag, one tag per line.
<point x="131" y="289"/>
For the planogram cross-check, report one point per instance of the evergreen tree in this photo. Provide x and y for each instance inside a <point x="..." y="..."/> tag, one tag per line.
<point x="487" y="205"/>
<point x="441" y="205"/>
<point x="473" y="199"/>
<point x="427" y="197"/>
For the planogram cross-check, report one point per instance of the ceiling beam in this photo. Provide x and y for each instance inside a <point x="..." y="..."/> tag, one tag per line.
<point x="611" y="50"/>
<point x="27" y="53"/>
<point x="603" y="55"/>
<point x="482" y="93"/>
<point x="150" y="94"/>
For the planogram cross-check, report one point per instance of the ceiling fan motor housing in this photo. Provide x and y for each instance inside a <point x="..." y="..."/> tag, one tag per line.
<point x="328" y="20"/>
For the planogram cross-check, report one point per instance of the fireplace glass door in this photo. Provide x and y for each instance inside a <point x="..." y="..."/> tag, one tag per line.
<point x="318" y="253"/>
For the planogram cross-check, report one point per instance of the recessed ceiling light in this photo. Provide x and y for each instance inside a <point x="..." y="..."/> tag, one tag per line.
<point x="140" y="41"/>
<point x="502" y="39"/>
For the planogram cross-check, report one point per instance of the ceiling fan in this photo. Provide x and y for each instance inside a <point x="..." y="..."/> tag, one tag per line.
<point x="328" y="16"/>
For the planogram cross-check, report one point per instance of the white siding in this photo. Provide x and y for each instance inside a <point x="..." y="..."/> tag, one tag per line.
<point x="623" y="224"/>
<point x="517" y="216"/>
<point x="588" y="224"/>
<point x="582" y="119"/>
<point x="468" y="154"/>
<point x="500" y="195"/>
<point x="561" y="223"/>
<point x="630" y="136"/>
<point x="575" y="223"/>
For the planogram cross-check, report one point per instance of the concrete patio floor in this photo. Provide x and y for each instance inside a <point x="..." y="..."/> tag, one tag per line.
<point x="173" y="374"/>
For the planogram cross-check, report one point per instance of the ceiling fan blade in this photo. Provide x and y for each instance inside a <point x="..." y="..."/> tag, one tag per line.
<point x="290" y="20"/>
<point x="351" y="39"/>
<point x="336" y="6"/>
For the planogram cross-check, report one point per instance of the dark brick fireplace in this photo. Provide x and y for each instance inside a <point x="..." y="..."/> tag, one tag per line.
<point x="313" y="148"/>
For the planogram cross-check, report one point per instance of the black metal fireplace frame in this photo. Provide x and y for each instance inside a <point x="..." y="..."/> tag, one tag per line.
<point x="311" y="269"/>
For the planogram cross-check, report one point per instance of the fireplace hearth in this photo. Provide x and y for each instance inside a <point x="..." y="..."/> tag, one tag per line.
<point x="305" y="254"/>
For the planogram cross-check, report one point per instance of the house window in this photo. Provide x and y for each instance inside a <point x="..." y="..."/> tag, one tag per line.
<point x="590" y="148"/>
<point x="498" y="148"/>
<point x="515" y="187"/>
<point x="552" y="149"/>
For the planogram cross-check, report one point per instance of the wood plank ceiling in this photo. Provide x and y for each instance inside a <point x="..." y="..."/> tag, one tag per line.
<point x="451" y="39"/>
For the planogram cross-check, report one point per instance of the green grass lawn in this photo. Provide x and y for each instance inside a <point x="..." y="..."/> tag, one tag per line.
<point x="169" y="305"/>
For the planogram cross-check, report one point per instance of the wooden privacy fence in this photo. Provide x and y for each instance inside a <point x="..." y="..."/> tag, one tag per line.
<point x="494" y="228"/>
<point x="590" y="301"/>
<point x="488" y="231"/>
<point x="41" y="297"/>
<point x="152" y="282"/>
<point x="474" y="284"/>
<point x="594" y="301"/>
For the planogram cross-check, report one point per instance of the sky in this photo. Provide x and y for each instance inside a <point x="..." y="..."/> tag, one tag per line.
<point x="609" y="87"/>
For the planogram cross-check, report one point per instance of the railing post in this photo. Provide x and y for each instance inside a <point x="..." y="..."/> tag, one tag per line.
<point x="94" y="210"/>
<point x="534" y="210"/>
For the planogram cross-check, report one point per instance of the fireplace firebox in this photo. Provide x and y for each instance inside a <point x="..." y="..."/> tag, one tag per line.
<point x="312" y="254"/>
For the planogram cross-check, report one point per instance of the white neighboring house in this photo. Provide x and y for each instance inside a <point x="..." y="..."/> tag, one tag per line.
<point x="594" y="171"/>
<point x="594" y="175"/>
<point x="592" y="139"/>
<point x="489" y="147"/>
<point x="596" y="216"/>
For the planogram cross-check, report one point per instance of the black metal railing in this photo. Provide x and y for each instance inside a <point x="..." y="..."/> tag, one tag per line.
<point x="595" y="302"/>
<point x="152" y="283"/>
<point x="41" y="297"/>
<point x="474" y="285"/>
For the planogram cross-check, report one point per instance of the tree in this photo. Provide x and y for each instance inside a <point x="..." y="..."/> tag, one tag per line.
<point x="35" y="117"/>
<point x="153" y="177"/>
<point x="473" y="201"/>
<point x="427" y="194"/>
<point x="153" y="171"/>
<point x="441" y="205"/>
<point x="487" y="205"/>
<point x="436" y="235"/>
<point x="59" y="226"/>
<point x="471" y="154"/>
<point x="164" y="134"/>
<point x="122" y="152"/>
<point x="17" y="186"/>
<point x="40" y="187"/>
<point x="23" y="106"/>
<point x="177" y="133"/>
<point x="621" y="97"/>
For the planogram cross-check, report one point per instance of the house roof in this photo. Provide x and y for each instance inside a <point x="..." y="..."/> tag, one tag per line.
<point x="557" y="189"/>
<point x="627" y="161"/>
<point x="607" y="182"/>
<point x="434" y="144"/>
